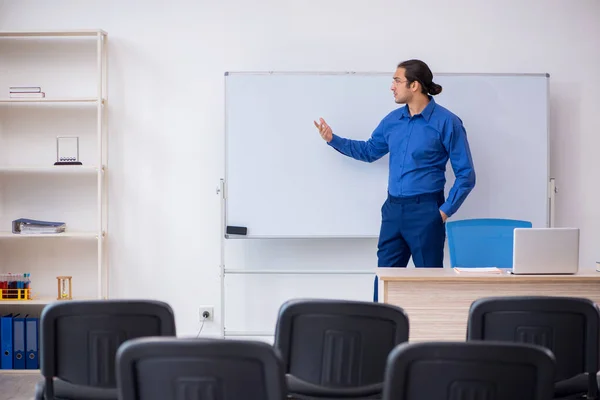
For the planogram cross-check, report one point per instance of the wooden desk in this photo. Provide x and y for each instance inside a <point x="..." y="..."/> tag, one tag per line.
<point x="437" y="300"/>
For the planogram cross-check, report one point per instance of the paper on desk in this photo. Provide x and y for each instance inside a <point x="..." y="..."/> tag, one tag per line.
<point x="491" y="270"/>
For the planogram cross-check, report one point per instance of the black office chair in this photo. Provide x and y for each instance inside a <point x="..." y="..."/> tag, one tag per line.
<point x="215" y="369"/>
<point x="469" y="371"/>
<point x="569" y="327"/>
<point x="337" y="349"/>
<point x="79" y="342"/>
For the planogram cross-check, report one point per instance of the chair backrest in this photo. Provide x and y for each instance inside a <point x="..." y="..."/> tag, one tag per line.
<point x="569" y="327"/>
<point x="469" y="371"/>
<point x="486" y="242"/>
<point x="182" y="369"/>
<point x="336" y="343"/>
<point x="79" y="339"/>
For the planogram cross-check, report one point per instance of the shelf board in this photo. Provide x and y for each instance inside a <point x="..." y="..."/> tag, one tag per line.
<point x="34" y="302"/>
<point x="51" y="100"/>
<point x="20" y="371"/>
<point x="75" y="33"/>
<point x="37" y="302"/>
<point x="81" y="235"/>
<point x="51" y="169"/>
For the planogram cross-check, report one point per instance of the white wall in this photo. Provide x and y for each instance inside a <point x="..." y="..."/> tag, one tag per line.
<point x="166" y="119"/>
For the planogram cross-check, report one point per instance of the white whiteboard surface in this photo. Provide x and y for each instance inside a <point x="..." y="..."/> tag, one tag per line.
<point x="283" y="180"/>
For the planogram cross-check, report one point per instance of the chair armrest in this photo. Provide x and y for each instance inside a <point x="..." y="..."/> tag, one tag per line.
<point x="579" y="384"/>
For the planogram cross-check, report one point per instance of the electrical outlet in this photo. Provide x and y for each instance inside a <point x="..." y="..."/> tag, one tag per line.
<point x="206" y="309"/>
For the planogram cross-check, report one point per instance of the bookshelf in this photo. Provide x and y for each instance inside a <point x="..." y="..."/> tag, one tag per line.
<point x="70" y="66"/>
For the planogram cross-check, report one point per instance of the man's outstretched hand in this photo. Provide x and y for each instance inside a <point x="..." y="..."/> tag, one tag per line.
<point x="324" y="130"/>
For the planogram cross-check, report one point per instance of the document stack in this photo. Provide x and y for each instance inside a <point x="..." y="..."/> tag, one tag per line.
<point x="24" y="226"/>
<point x="26" y="92"/>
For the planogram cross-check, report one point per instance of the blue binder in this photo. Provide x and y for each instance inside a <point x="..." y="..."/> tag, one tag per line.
<point x="31" y="342"/>
<point x="6" y="342"/>
<point x="18" y="342"/>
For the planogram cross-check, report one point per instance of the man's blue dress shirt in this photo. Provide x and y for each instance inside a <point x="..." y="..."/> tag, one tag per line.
<point x="419" y="148"/>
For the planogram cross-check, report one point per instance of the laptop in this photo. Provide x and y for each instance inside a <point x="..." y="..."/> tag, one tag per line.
<point x="545" y="251"/>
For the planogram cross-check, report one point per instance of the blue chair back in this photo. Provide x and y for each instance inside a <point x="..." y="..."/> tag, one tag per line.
<point x="486" y="242"/>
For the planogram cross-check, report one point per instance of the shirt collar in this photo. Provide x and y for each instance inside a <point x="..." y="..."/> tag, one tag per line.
<point x="426" y="113"/>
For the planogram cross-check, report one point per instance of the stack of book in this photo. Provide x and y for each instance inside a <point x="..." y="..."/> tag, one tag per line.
<point x="26" y="92"/>
<point x="26" y="226"/>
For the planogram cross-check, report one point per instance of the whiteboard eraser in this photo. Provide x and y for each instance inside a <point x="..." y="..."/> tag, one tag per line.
<point x="236" y="230"/>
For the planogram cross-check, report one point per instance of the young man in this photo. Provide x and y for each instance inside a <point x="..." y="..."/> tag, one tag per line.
<point x="420" y="138"/>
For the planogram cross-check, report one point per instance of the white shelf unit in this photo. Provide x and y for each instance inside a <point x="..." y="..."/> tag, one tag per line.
<point x="71" y="68"/>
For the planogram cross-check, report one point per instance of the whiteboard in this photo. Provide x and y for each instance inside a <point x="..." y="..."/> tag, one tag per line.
<point x="283" y="180"/>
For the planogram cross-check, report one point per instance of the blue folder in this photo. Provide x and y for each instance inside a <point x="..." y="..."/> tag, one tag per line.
<point x="18" y="342"/>
<point x="6" y="342"/>
<point x="31" y="342"/>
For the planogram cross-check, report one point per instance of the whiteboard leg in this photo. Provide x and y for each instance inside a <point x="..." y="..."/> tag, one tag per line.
<point x="222" y="278"/>
<point x="552" y="197"/>
<point x="221" y="191"/>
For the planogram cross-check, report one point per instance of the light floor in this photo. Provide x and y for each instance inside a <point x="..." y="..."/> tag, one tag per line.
<point x="18" y="386"/>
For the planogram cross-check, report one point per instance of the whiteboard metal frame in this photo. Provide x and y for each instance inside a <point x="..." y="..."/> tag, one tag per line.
<point x="222" y="192"/>
<point x="297" y="272"/>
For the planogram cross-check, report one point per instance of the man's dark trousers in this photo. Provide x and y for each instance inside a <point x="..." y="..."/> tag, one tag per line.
<point x="411" y="226"/>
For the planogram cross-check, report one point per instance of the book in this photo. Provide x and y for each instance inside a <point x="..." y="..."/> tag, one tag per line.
<point x="487" y="270"/>
<point x="25" y="89"/>
<point x="27" y="95"/>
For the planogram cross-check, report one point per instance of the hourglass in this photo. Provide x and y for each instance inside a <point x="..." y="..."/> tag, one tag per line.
<point x="64" y="288"/>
